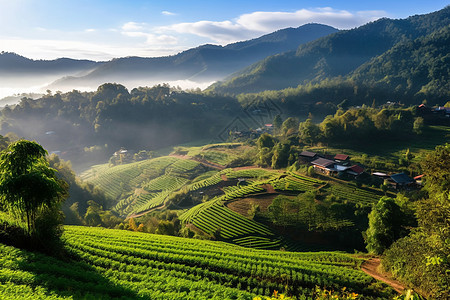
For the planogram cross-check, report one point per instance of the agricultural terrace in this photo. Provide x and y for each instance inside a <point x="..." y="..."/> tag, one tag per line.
<point x="217" y="219"/>
<point x="221" y="154"/>
<point x="143" y="185"/>
<point x="132" y="265"/>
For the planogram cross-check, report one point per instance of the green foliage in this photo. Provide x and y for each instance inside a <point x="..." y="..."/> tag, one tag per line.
<point x="405" y="60"/>
<point x="418" y="125"/>
<point x="157" y="116"/>
<point x="29" y="189"/>
<point x="422" y="258"/>
<point x="123" y="264"/>
<point x="385" y="225"/>
<point x="308" y="132"/>
<point x="289" y="126"/>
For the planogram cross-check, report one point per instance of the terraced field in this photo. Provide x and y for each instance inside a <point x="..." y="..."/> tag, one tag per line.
<point x="143" y="185"/>
<point x="354" y="194"/>
<point x="130" y="265"/>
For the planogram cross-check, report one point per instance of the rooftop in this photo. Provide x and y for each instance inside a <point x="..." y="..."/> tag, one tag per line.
<point x="323" y="162"/>
<point x="308" y="154"/>
<point x="402" y="178"/>
<point x="357" y="169"/>
<point x="341" y="157"/>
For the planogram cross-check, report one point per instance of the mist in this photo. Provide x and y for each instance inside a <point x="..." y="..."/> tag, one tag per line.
<point x="88" y="127"/>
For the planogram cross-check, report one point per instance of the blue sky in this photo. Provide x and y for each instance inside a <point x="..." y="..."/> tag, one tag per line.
<point x="101" y="29"/>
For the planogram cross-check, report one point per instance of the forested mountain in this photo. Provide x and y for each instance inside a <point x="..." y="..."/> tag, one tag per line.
<point x="366" y="54"/>
<point x="20" y="72"/>
<point x="12" y="64"/>
<point x="202" y="64"/>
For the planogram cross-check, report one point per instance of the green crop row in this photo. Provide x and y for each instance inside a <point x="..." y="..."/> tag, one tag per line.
<point x="165" y="182"/>
<point x="251" y="173"/>
<point x="354" y="194"/>
<point x="233" y="192"/>
<point x="290" y="184"/>
<point x="137" y="265"/>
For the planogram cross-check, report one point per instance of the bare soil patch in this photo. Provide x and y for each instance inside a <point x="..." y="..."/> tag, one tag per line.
<point x="241" y="206"/>
<point x="372" y="267"/>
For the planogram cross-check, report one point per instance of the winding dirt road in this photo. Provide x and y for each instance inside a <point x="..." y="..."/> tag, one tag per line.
<point x="371" y="267"/>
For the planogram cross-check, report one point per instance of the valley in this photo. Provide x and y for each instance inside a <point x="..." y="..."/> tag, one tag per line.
<point x="303" y="161"/>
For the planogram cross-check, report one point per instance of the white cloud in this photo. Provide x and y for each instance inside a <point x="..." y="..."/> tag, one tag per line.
<point x="254" y="24"/>
<point x="143" y="30"/>
<point x="51" y="49"/>
<point x="129" y="26"/>
<point x="168" y="13"/>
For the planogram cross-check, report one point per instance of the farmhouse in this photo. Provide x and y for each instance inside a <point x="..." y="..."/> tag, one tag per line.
<point x="401" y="180"/>
<point x="341" y="157"/>
<point x="307" y="156"/>
<point x="355" y="170"/>
<point x="325" y="166"/>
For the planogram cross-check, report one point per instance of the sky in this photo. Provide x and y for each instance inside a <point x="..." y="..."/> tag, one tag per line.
<point x="104" y="29"/>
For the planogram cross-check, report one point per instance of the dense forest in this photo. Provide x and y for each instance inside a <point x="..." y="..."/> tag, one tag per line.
<point x="89" y="126"/>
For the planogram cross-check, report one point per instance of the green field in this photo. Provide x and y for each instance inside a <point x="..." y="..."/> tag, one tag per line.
<point x="107" y="264"/>
<point x="140" y="186"/>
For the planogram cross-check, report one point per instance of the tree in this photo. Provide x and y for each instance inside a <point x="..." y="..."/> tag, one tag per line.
<point x="29" y="188"/>
<point x="289" y="126"/>
<point x="422" y="258"/>
<point x="308" y="132"/>
<point x="385" y="225"/>
<point x="265" y="141"/>
<point x="277" y="122"/>
<point x="418" y="125"/>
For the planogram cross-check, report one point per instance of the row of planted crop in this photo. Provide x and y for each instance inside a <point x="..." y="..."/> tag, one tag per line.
<point x="302" y="273"/>
<point x="147" y="271"/>
<point x="207" y="248"/>
<point x="147" y="204"/>
<point x="305" y="178"/>
<point x="354" y="194"/>
<point x="165" y="182"/>
<point x="182" y="166"/>
<point x="289" y="184"/>
<point x="233" y="192"/>
<point x="231" y="224"/>
<point x="251" y="173"/>
<point x="102" y="277"/>
<point x="208" y="182"/>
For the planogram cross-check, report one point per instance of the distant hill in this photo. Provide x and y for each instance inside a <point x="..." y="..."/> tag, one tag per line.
<point x="12" y="63"/>
<point x="19" y="74"/>
<point x="367" y="53"/>
<point x="205" y="63"/>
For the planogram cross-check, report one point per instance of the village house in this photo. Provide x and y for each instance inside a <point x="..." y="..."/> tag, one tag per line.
<point x="401" y="180"/>
<point x="307" y="156"/>
<point x="341" y="157"/>
<point x="355" y="170"/>
<point x="325" y="166"/>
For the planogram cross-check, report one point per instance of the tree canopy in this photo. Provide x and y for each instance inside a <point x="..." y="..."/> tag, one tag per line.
<point x="28" y="186"/>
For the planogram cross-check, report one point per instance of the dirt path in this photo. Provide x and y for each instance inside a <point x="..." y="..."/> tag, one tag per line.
<point x="371" y="267"/>
<point x="146" y="212"/>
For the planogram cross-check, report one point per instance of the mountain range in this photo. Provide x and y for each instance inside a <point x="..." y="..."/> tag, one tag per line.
<point x="205" y="63"/>
<point x="409" y="55"/>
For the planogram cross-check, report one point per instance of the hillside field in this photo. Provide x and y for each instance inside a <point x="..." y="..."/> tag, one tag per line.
<point x="107" y="264"/>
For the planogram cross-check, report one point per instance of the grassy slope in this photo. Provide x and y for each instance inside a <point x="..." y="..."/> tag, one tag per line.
<point x="129" y="265"/>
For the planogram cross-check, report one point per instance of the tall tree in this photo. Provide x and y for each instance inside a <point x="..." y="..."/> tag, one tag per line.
<point x="385" y="225"/>
<point x="28" y="186"/>
<point x="423" y="258"/>
<point x="308" y="132"/>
